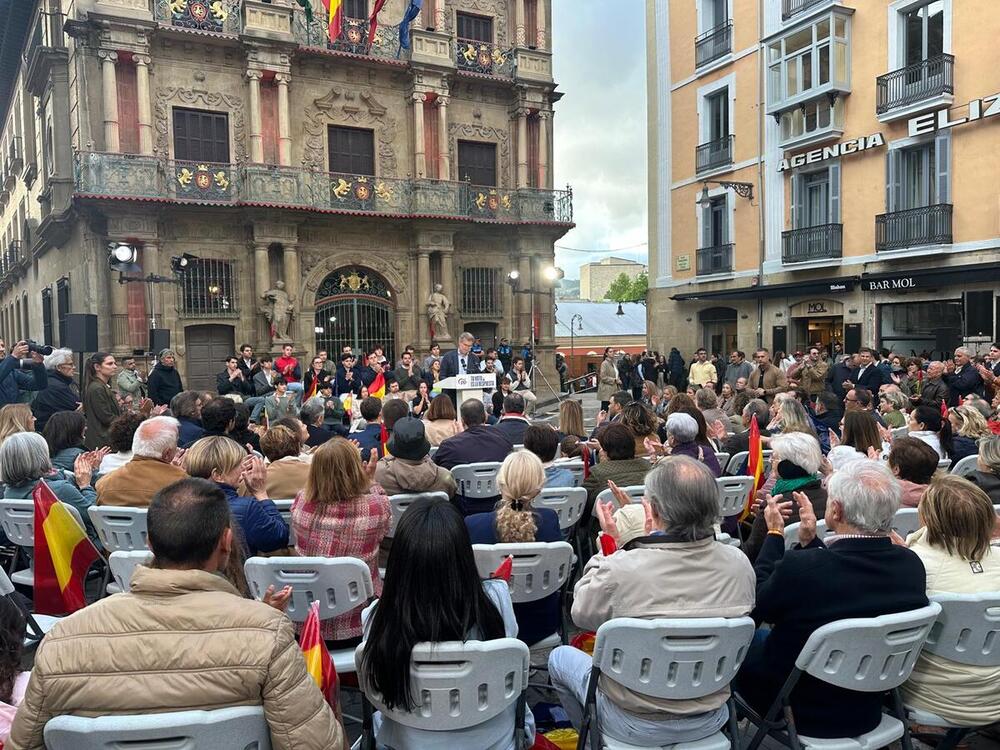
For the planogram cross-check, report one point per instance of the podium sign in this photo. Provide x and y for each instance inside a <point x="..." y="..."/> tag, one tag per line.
<point x="471" y="385"/>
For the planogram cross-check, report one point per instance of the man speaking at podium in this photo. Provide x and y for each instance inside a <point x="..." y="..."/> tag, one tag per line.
<point x="460" y="361"/>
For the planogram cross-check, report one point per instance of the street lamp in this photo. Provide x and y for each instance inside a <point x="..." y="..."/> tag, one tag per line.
<point x="742" y="189"/>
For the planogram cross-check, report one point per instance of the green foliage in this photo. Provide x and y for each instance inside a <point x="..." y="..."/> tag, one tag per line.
<point x="639" y="287"/>
<point x="620" y="288"/>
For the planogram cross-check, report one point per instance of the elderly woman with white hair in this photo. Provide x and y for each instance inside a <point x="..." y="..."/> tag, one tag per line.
<point x="63" y="394"/>
<point x="684" y="439"/>
<point x="795" y="461"/>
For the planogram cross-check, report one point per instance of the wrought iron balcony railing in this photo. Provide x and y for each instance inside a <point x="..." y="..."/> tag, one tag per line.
<point x="484" y="58"/>
<point x="12" y="259"/>
<point x="219" y="16"/>
<point x="928" y="225"/>
<point x="46" y="31"/>
<point x="791" y="8"/>
<point x="353" y="37"/>
<point x="915" y="83"/>
<point x="102" y="175"/>
<point x="714" y="154"/>
<point x="821" y="242"/>
<point x="716" y="259"/>
<point x="713" y="44"/>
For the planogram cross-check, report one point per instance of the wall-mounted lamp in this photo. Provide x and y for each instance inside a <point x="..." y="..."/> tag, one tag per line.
<point x="742" y="189"/>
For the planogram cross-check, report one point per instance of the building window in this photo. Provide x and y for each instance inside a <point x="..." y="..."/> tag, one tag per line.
<point x="208" y="288"/>
<point x="475" y="28"/>
<point x="357" y="9"/>
<point x="480" y="291"/>
<point x="920" y="68"/>
<point x="714" y="13"/>
<point x="818" y="118"/>
<point x="715" y="149"/>
<point x="716" y="252"/>
<point x="47" y="316"/>
<point x="477" y="162"/>
<point x="534" y="122"/>
<point x="62" y="303"/>
<point x="531" y="22"/>
<point x="269" y="120"/>
<point x="816" y="232"/>
<point x="918" y="176"/>
<point x="128" y="108"/>
<point x="352" y="150"/>
<point x="809" y="61"/>
<point x="201" y="136"/>
<point x="923" y="32"/>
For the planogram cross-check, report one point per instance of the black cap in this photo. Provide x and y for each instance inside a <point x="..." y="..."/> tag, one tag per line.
<point x="408" y="440"/>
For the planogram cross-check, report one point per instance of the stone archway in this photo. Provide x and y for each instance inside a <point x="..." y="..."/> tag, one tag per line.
<point x="355" y="306"/>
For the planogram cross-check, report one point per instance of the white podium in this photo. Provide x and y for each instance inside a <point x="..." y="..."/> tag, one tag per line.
<point x="469" y="386"/>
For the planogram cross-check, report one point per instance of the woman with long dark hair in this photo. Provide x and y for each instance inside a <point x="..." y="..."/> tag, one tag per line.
<point x="13" y="682"/>
<point x="100" y="405"/>
<point x="926" y="424"/>
<point x="432" y="593"/>
<point x="66" y="433"/>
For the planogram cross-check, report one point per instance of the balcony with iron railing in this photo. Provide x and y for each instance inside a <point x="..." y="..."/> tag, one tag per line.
<point x="792" y="8"/>
<point x="901" y="230"/>
<point x="714" y="154"/>
<point x="12" y="260"/>
<point x="821" y="242"/>
<point x="104" y="175"/>
<point x="217" y="16"/>
<point x="15" y="155"/>
<point x="713" y="44"/>
<point x="715" y="259"/>
<point x="927" y="83"/>
<point x="353" y="39"/>
<point x="484" y="58"/>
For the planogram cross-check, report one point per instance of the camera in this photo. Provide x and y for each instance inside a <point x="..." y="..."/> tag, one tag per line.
<point x="42" y="349"/>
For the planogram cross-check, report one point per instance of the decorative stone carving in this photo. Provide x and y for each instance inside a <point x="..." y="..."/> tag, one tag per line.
<point x="321" y="265"/>
<point x="346" y="106"/>
<point x="482" y="133"/>
<point x="278" y="309"/>
<point x="199" y="98"/>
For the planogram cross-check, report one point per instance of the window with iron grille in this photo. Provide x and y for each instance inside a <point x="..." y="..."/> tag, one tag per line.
<point x="475" y="28"/>
<point x="356" y="9"/>
<point x="477" y="162"/>
<point x="201" y="136"/>
<point x="352" y="150"/>
<point x="47" y="316"/>
<point x="209" y="287"/>
<point x="481" y="291"/>
<point x="62" y="302"/>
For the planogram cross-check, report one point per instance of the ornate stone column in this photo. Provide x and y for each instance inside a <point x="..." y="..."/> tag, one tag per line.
<point x="519" y="22"/>
<point x="261" y="272"/>
<point x="145" y="109"/>
<point x="423" y="292"/>
<point x="291" y="263"/>
<point x="448" y="280"/>
<point x="443" y="155"/>
<point x="284" y="133"/>
<point x="522" y="147"/>
<point x="439" y="11"/>
<point x="256" y="128"/>
<point x="109" y="90"/>
<point x="419" y="140"/>
<point x="541" y="40"/>
<point x="543" y="149"/>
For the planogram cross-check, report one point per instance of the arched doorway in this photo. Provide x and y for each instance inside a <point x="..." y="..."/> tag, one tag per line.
<point x="355" y="307"/>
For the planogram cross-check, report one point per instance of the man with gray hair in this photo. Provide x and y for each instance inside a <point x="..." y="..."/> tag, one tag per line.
<point x="755" y="409"/>
<point x="154" y="449"/>
<point x="857" y="572"/>
<point x="164" y="382"/>
<point x="459" y="361"/>
<point x="675" y="569"/>
<point x="962" y="377"/>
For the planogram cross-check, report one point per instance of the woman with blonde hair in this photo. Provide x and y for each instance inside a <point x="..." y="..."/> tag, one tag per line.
<point x="968" y="427"/>
<point x="571" y="419"/>
<point x="15" y="418"/>
<point x="791" y="417"/>
<point x="520" y="479"/>
<point x="342" y="512"/>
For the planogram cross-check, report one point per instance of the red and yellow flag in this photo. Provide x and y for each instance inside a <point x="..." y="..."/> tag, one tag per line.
<point x="944" y="409"/>
<point x="63" y="554"/>
<point x="377" y="388"/>
<point x="319" y="665"/>
<point x="334" y="18"/>
<point x="755" y="466"/>
<point x="383" y="438"/>
<point x="373" y="22"/>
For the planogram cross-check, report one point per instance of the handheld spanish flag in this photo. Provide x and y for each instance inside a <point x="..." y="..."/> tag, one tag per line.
<point x="505" y="570"/>
<point x="383" y="439"/>
<point x="334" y="18"/>
<point x="347" y="399"/>
<point x="944" y="410"/>
<point x="377" y="388"/>
<point x="755" y="466"/>
<point x="63" y="554"/>
<point x="319" y="665"/>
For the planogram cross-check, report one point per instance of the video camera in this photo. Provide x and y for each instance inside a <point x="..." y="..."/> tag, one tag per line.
<point x="42" y="349"/>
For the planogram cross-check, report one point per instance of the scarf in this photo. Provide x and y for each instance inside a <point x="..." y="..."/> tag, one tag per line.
<point x="785" y="486"/>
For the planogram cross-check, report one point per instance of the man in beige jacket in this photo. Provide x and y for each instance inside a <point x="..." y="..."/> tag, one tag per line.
<point x="182" y="639"/>
<point x="154" y="447"/>
<point x="676" y="570"/>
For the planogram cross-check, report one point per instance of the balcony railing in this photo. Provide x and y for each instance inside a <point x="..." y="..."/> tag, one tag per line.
<point x="717" y="259"/>
<point x="714" y="154"/>
<point x="791" y="8"/>
<point x="713" y="44"/>
<point x="484" y="58"/>
<point x="821" y="242"/>
<point x="928" y="225"/>
<point x="46" y="31"/>
<point x="15" y="155"/>
<point x="103" y="175"/>
<point x="353" y="37"/>
<point x="12" y="259"/>
<point x="218" y="16"/>
<point x="915" y="83"/>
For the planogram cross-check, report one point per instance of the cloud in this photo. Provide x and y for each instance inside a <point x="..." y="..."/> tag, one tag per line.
<point x="600" y="126"/>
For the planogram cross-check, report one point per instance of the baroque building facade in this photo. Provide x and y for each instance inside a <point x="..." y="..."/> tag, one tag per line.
<point x="234" y="138"/>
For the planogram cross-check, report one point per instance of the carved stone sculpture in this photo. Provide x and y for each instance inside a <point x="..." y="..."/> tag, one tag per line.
<point x="278" y="310"/>
<point x="438" y="307"/>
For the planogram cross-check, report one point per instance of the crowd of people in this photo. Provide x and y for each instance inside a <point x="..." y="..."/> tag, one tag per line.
<point x="852" y="438"/>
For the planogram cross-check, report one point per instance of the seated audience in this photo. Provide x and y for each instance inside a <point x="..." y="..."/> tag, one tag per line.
<point x="642" y="423"/>
<point x="241" y="432"/>
<point x="15" y="418"/>
<point x="280" y="403"/>
<point x="619" y="400"/>
<point x="926" y="424"/>
<point x="433" y="593"/>
<point x="441" y="418"/>
<point x="790" y="416"/>
<point x="968" y="427"/>
<point x="296" y="426"/>
<point x="64" y="433"/>
<point x="913" y="462"/>
<point x="120" y="438"/>
<point x="287" y="468"/>
<point x="987" y="474"/>
<point x="954" y="545"/>
<point x="740" y="442"/>
<point x="13" y="682"/>
<point x="706" y="579"/>
<point x="862" y="574"/>
<point x="503" y="390"/>
<point x="708" y="404"/>
<point x="828" y="411"/>
<point x="542" y="440"/>
<point x="477" y="443"/>
<point x="154" y="448"/>
<point x="218" y="417"/>
<point x="313" y="415"/>
<point x="407" y="467"/>
<point x="369" y="437"/>
<point x="512" y="422"/>
<point x="182" y="639"/>
<point x="394" y="410"/>
<point x="571" y="419"/>
<point x="861" y="433"/>
<point x="223" y="461"/>
<point x="186" y="409"/>
<point x="618" y="464"/>
<point x="684" y="438"/>
<point x="342" y="513"/>
<point x="520" y="479"/>
<point x="727" y="400"/>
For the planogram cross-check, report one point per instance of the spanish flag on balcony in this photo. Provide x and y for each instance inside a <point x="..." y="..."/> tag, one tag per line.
<point x="377" y="388"/>
<point x="318" y="663"/>
<point x="334" y="18"/>
<point x="63" y="554"/>
<point x="755" y="466"/>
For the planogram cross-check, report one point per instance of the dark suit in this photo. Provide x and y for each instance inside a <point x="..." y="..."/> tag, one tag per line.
<point x="513" y="428"/>
<point x="475" y="445"/>
<point x="343" y="385"/>
<point x="871" y="379"/>
<point x="834" y="379"/>
<point x="961" y="384"/>
<point x="240" y="386"/>
<point x="802" y="589"/>
<point x="319" y="435"/>
<point x="368" y="438"/>
<point x="449" y="364"/>
<point x="933" y="392"/>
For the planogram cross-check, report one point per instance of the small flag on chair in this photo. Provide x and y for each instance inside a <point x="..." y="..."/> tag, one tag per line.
<point x="63" y="554"/>
<point x="506" y="569"/>
<point x="755" y="466"/>
<point x="318" y="663"/>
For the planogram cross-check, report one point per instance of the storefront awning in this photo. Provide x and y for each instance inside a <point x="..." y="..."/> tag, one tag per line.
<point x="798" y="288"/>
<point x="901" y="280"/>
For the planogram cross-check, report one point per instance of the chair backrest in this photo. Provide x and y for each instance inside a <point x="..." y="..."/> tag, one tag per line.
<point x="736" y="461"/>
<point x="733" y="494"/>
<point x="285" y="508"/>
<point x="237" y="728"/>
<point x="477" y="481"/>
<point x="673" y="659"/>
<point x="898" y="432"/>
<point x="965" y="466"/>
<point x="339" y="583"/>
<point x="119" y="528"/>
<point x="518" y="446"/>
<point x="540" y="568"/>
<point x="124" y="562"/>
<point x="576" y="469"/>
<point x="968" y="629"/>
<point x="433" y="450"/>
<point x="635" y="493"/>
<point x="457" y="685"/>
<point x="723" y="458"/>
<point x="792" y="532"/>
<point x="399" y="504"/>
<point x="944" y="463"/>
<point x="868" y="654"/>
<point x="17" y="519"/>
<point x="568" y="503"/>
<point x="905" y="522"/>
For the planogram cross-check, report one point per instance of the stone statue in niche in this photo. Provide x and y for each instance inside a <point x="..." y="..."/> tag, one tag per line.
<point x="278" y="309"/>
<point x="438" y="307"/>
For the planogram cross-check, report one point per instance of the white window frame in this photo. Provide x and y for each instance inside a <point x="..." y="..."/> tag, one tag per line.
<point x="896" y="29"/>
<point x="703" y="114"/>
<point x="834" y="198"/>
<point x="703" y="25"/>
<point x="716" y="192"/>
<point x="940" y="139"/>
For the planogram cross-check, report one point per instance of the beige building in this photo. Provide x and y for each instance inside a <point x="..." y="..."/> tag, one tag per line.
<point x="853" y="199"/>
<point x="359" y="175"/>
<point x="596" y="278"/>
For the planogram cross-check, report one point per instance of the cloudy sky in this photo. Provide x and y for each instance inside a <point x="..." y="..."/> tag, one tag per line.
<point x="599" y="53"/>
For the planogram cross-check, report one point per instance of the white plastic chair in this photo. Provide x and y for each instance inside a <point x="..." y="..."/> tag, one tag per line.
<point x="736" y="461"/>
<point x="872" y="654"/>
<point x="733" y="494"/>
<point x="457" y="685"/>
<point x="965" y="466"/>
<point x="123" y="564"/>
<point x="792" y="532"/>
<point x="669" y="659"/>
<point x="340" y="584"/>
<point x="568" y="503"/>
<point x="477" y="481"/>
<point x="38" y="625"/>
<point x="285" y="508"/>
<point x="576" y="469"/>
<point x="943" y="464"/>
<point x="399" y="504"/>
<point x="17" y="518"/>
<point x="118" y="528"/>
<point x="433" y="450"/>
<point x="236" y="728"/>
<point x="518" y="447"/>
<point x="898" y="432"/>
<point x="723" y="458"/>
<point x="905" y="522"/>
<point x="635" y="493"/>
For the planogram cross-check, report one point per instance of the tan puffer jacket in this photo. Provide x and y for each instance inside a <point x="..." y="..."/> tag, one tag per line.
<point x="181" y="640"/>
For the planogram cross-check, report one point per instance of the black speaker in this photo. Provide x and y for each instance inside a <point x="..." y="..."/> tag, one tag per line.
<point x="779" y="340"/>
<point x="852" y="338"/>
<point x="81" y="332"/>
<point x="978" y="313"/>
<point x="159" y="339"/>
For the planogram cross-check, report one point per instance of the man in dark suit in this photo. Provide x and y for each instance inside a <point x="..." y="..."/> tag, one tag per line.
<point x="371" y="436"/>
<point x="477" y="443"/>
<point x="460" y="361"/>
<point x="860" y="573"/>
<point x="513" y="422"/>
<point x="838" y="374"/>
<point x="962" y="377"/>
<point x="867" y="375"/>
<point x="348" y="380"/>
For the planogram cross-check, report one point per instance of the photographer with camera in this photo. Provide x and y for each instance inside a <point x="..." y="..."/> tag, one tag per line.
<point x="18" y="374"/>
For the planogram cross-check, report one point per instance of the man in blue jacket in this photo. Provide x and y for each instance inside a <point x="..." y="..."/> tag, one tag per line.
<point x="13" y="380"/>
